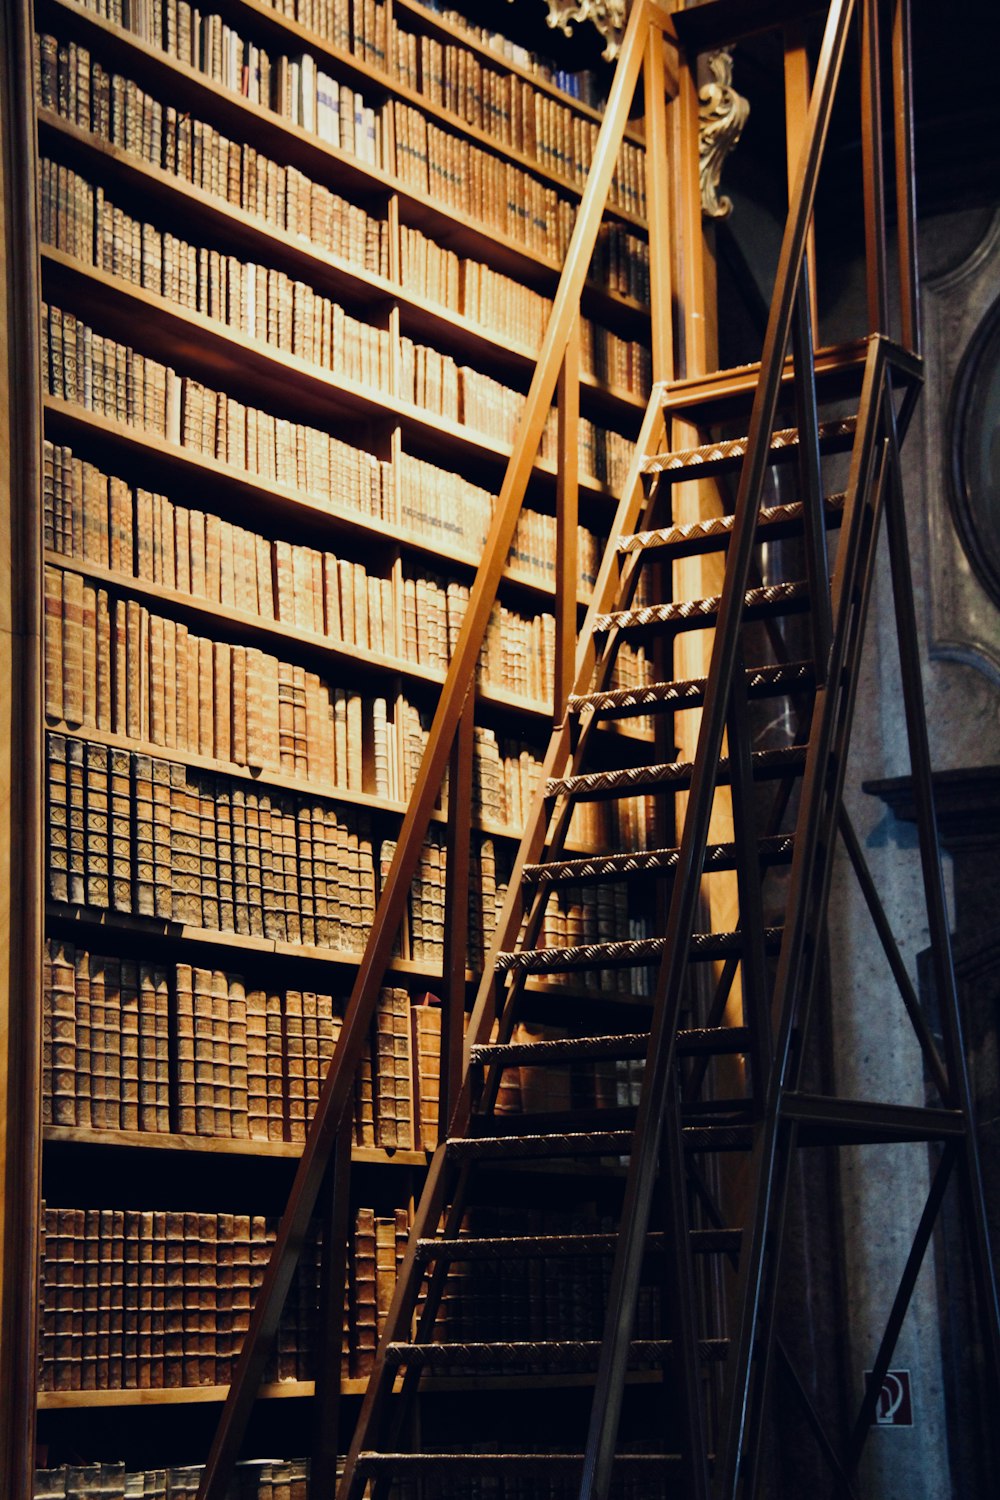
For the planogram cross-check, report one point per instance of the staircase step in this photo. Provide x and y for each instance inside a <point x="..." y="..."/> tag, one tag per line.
<point x="547" y="1354"/>
<point x="631" y="1045"/>
<point x="628" y="953"/>
<point x="716" y="458"/>
<point x="526" y="1247"/>
<point x="665" y="697"/>
<point x="582" y="871"/>
<point x="691" y="614"/>
<point x="514" y="1465"/>
<point x="484" y="1148"/>
<point x="777" y="521"/>
<point x="631" y="781"/>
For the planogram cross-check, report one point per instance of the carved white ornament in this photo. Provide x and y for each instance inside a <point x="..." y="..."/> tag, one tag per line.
<point x="608" y="16"/>
<point x="722" y="114"/>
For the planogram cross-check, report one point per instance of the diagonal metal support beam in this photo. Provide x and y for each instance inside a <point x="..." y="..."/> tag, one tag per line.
<point x="895" y="959"/>
<point x="901" y="1302"/>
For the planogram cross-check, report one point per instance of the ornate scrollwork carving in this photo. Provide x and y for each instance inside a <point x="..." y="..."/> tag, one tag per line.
<point x="608" y="16"/>
<point x="722" y="114"/>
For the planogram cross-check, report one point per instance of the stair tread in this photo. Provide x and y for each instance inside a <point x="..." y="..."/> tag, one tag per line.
<point x="776" y="849"/>
<point x="590" y="1143"/>
<point x="480" y="1463"/>
<point x="691" y="611"/>
<point x="501" y="1247"/>
<point x="689" y="693"/>
<point x="624" y="1045"/>
<point x="719" y="528"/>
<point x="628" y="781"/>
<point x="709" y="457"/>
<point x="626" y="952"/>
<point x="554" y="1353"/>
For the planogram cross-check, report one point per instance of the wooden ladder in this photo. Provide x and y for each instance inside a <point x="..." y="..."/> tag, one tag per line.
<point x="722" y="1062"/>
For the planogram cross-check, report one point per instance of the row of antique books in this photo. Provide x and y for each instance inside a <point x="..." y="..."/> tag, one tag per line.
<point x="585" y="84"/>
<point x="507" y="108"/>
<point x="134" y="834"/>
<point x="110" y="378"/>
<point x="79" y="218"/>
<point x="139" y="1299"/>
<point x="152" y="1300"/>
<point x="175" y="1048"/>
<point x="254" y="1479"/>
<point x="139" y="533"/>
<point x="497" y="195"/>
<point x="516" y="114"/>
<point x="111" y="664"/>
<point x="270" y="1479"/>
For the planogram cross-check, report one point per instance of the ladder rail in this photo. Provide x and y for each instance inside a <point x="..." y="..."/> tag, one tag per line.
<point x="660" y="1058"/>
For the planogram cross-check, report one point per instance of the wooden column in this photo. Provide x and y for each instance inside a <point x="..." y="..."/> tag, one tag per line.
<point x="20" y="757"/>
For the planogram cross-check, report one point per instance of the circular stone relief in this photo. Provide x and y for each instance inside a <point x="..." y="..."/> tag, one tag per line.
<point x="974" y="427"/>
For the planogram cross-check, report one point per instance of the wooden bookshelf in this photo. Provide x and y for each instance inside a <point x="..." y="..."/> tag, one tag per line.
<point x="379" y="419"/>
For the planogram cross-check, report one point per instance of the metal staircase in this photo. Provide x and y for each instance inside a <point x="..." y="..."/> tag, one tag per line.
<point x="722" y="1098"/>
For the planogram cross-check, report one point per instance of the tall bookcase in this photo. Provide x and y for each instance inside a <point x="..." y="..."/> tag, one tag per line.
<point x="295" y="262"/>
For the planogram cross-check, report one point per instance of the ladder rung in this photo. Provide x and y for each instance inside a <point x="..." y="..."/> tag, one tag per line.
<point x="625" y="703"/>
<point x="590" y="1143"/>
<point x="526" y="1247"/>
<point x="721" y="1039"/>
<point x="562" y="1049"/>
<point x="551" y="1354"/>
<point x="627" y="953"/>
<point x="575" y="1143"/>
<point x="773" y="598"/>
<point x="517" y="1465"/>
<point x="631" y="781"/>
<point x="779" y="521"/>
<point x="776" y="850"/>
<point x="714" y="458"/>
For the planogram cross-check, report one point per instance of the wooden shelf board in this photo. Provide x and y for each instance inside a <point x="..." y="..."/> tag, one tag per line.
<point x="148" y="1140"/>
<point x="99" y="919"/>
<point x="177" y="1396"/>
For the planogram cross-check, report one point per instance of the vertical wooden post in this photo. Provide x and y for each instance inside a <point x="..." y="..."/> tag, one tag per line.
<point x="902" y="90"/>
<point x="567" y="513"/>
<point x="654" y="78"/>
<point x="797" y="89"/>
<point x="873" y="160"/>
<point x="330" y="1327"/>
<point x="456" y="911"/>
<point x="21" y="785"/>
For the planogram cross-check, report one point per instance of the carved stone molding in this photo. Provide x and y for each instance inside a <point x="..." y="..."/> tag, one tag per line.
<point x="964" y="623"/>
<point x="722" y="114"/>
<point x="609" y="16"/>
